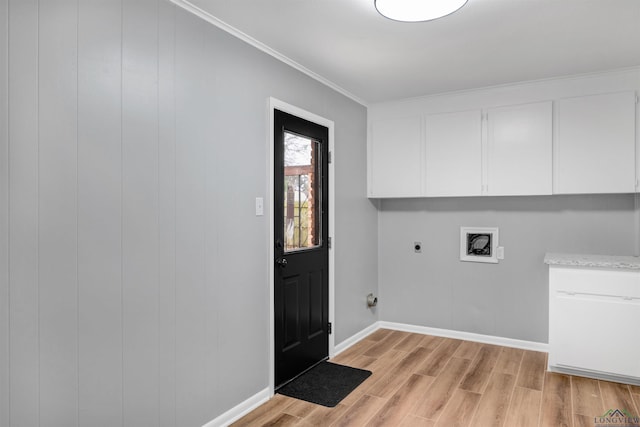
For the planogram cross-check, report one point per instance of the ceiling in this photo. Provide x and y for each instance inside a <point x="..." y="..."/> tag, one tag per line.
<point x="347" y="44"/>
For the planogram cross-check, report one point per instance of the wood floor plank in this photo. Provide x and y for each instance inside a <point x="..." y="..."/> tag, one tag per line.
<point x="282" y="420"/>
<point x="431" y="342"/>
<point x="353" y="352"/>
<point x="480" y="370"/>
<point x="509" y="361"/>
<point x="635" y="394"/>
<point x="556" y="401"/>
<point x="379" y="368"/>
<point x="382" y="346"/>
<point x="264" y="412"/>
<point x="617" y="396"/>
<point x="636" y="399"/>
<point x="379" y="335"/>
<point x="415" y="421"/>
<point x="585" y="397"/>
<point x="300" y="408"/>
<point x="468" y="350"/>
<point x="437" y="360"/>
<point x="398" y="405"/>
<point x="388" y="384"/>
<point x="582" y="421"/>
<point x="410" y="343"/>
<point x="442" y="389"/>
<point x="395" y="377"/>
<point x="494" y="404"/>
<point x="524" y="410"/>
<point x="323" y="415"/>
<point x="360" y="362"/>
<point x="360" y="412"/>
<point x="353" y="397"/>
<point x="532" y="369"/>
<point x="460" y="409"/>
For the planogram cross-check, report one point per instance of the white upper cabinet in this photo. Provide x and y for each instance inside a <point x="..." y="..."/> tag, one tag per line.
<point x="558" y="136"/>
<point x="519" y="150"/>
<point x="595" y="144"/>
<point x="395" y="158"/>
<point x="453" y="150"/>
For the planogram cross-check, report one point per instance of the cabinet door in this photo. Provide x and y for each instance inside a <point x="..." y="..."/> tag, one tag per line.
<point x="395" y="158"/>
<point x="519" y="150"/>
<point x="595" y="145"/>
<point x="454" y="154"/>
<point x="595" y="332"/>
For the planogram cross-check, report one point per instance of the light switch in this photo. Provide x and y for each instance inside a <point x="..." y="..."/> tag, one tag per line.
<point x="259" y="206"/>
<point x="500" y="252"/>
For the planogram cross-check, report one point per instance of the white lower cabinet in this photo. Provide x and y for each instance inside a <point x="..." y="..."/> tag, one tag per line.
<point x="593" y="319"/>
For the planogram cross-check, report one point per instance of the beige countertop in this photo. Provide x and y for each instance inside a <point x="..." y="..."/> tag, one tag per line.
<point x="597" y="261"/>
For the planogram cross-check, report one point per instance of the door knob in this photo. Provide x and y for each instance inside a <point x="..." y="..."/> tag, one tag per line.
<point x="282" y="262"/>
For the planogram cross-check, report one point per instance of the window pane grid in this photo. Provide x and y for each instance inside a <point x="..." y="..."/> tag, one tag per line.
<point x="302" y="216"/>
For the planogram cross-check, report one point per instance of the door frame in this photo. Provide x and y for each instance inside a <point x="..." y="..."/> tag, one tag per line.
<point x="276" y="104"/>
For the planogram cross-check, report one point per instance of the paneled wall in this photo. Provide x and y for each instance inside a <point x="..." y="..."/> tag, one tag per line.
<point x="133" y="270"/>
<point x="4" y="216"/>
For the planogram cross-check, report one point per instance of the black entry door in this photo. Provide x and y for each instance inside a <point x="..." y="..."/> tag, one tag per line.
<point x="301" y="227"/>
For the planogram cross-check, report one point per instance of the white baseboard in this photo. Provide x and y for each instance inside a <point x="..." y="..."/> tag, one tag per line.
<point x="447" y="333"/>
<point x="240" y="410"/>
<point x="467" y="336"/>
<point x="355" y="338"/>
<point x="596" y="374"/>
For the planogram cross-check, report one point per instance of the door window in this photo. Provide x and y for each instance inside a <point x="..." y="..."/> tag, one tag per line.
<point x="302" y="192"/>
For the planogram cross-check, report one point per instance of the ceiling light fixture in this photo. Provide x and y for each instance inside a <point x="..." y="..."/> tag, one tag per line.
<point x="417" y="10"/>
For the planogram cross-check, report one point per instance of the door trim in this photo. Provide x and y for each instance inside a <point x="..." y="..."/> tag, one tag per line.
<point x="276" y="104"/>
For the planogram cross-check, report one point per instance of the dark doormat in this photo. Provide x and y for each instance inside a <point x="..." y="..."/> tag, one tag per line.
<point x="325" y="384"/>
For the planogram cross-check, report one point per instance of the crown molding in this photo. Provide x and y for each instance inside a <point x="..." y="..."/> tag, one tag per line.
<point x="190" y="7"/>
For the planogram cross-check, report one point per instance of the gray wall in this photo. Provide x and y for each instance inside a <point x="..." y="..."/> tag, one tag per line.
<point x="509" y="299"/>
<point x="133" y="271"/>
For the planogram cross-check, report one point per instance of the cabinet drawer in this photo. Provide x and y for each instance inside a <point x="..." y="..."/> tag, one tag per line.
<point x="622" y="283"/>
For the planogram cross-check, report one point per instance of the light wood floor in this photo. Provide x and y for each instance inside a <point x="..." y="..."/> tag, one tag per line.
<point x="422" y="380"/>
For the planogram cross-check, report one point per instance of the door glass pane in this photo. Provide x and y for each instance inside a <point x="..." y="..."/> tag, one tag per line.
<point x="301" y="193"/>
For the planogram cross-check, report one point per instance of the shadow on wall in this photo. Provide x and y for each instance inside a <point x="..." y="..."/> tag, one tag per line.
<point x="542" y="204"/>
